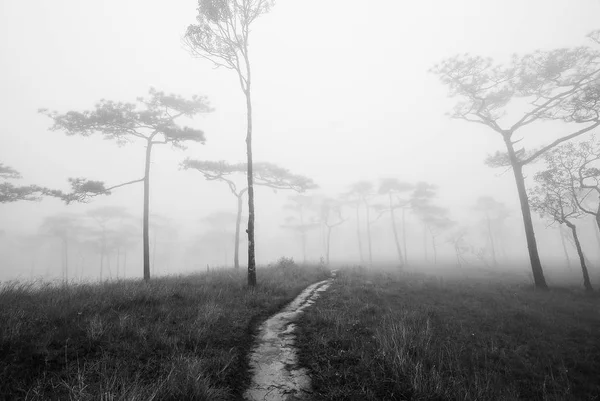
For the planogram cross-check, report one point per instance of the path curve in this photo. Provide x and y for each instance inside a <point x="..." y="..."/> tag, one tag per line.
<point x="274" y="358"/>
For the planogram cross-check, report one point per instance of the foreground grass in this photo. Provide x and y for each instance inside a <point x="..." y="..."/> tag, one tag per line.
<point x="184" y="338"/>
<point x="391" y="336"/>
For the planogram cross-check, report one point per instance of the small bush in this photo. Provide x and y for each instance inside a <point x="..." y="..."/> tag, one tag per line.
<point x="285" y="263"/>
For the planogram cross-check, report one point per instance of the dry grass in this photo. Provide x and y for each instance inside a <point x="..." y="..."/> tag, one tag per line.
<point x="178" y="338"/>
<point x="391" y="336"/>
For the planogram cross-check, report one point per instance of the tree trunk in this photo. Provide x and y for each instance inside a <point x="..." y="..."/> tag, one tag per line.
<point x="586" y="278"/>
<point x="250" y="231"/>
<point x="564" y="246"/>
<point x="369" y="232"/>
<point x="534" y="257"/>
<point x="146" y="218"/>
<point x="125" y="265"/>
<point x="101" y="264"/>
<point x="362" y="258"/>
<point x="395" y="231"/>
<point x="238" y="221"/>
<point x="404" y="236"/>
<point x="491" y="237"/>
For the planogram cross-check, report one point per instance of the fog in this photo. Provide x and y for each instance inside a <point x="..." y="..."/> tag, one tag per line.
<point x="342" y="93"/>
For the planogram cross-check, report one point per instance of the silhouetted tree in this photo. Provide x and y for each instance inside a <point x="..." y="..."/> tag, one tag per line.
<point x="393" y="187"/>
<point x="362" y="192"/>
<point x="67" y="228"/>
<point x="552" y="200"/>
<point x="221" y="36"/>
<point x="265" y="174"/>
<point x="492" y="211"/>
<point x="305" y="207"/>
<point x="421" y="205"/>
<point x="457" y="239"/>
<point x="108" y="233"/>
<point x="331" y="217"/>
<point x="575" y="167"/>
<point x="559" y="84"/>
<point x="124" y="122"/>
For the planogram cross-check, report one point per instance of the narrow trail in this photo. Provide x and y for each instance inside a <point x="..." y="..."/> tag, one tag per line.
<point x="274" y="358"/>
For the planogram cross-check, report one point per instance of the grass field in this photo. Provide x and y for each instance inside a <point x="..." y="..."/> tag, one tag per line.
<point x="179" y="338"/>
<point x="396" y="336"/>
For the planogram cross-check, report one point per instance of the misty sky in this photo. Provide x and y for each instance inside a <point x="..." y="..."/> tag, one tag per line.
<point x="341" y="92"/>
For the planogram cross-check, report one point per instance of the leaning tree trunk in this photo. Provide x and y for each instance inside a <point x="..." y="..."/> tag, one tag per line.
<point x="395" y="231"/>
<point x="534" y="257"/>
<point x="564" y="246"/>
<point x="586" y="277"/>
<point x="146" y="218"/>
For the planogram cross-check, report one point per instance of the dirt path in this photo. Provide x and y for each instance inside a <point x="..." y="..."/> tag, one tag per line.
<point x="274" y="359"/>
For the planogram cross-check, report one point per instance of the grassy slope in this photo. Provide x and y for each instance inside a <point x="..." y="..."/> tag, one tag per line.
<point x="183" y="338"/>
<point x="390" y="336"/>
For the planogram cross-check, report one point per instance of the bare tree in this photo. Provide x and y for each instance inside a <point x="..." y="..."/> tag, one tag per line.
<point x="559" y="84"/>
<point x="552" y="200"/>
<point x="123" y="123"/>
<point x="221" y="36"/>
<point x="265" y="174"/>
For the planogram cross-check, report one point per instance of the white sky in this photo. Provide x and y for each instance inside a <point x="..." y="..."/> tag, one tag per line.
<point x="341" y="92"/>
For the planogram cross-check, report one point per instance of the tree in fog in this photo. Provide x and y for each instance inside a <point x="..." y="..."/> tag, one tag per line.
<point x="457" y="239"/>
<point x="563" y="235"/>
<point x="331" y="217"/>
<point x="10" y="192"/>
<point x="575" y="167"/>
<point x="164" y="231"/>
<point x="125" y="122"/>
<point x="265" y="174"/>
<point x="393" y="188"/>
<point x="221" y="36"/>
<point x="493" y="212"/>
<point x="552" y="200"/>
<point x="361" y="193"/>
<point x="560" y="85"/>
<point x="421" y="205"/>
<point x="220" y="233"/>
<point x="67" y="228"/>
<point x="435" y="220"/>
<point x="305" y="208"/>
<point x="109" y="219"/>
